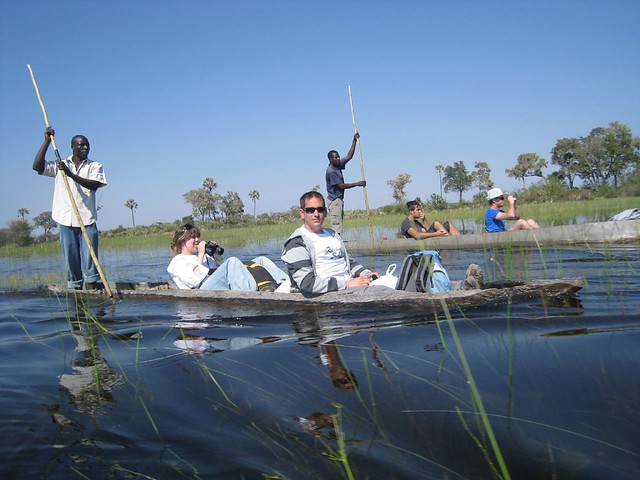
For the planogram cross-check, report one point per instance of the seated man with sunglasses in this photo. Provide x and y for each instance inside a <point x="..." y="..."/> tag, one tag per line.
<point x="494" y="217"/>
<point x="316" y="257"/>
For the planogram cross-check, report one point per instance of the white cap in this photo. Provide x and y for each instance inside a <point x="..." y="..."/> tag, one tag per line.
<point x="493" y="193"/>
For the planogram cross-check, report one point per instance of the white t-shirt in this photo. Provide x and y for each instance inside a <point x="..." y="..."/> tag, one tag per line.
<point x="62" y="210"/>
<point x="186" y="272"/>
<point x="330" y="258"/>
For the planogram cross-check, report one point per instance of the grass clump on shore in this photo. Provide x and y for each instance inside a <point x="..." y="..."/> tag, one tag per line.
<point x="469" y="219"/>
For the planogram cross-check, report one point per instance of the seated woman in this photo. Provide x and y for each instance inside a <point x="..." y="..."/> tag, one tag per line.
<point x="415" y="225"/>
<point x="192" y="267"/>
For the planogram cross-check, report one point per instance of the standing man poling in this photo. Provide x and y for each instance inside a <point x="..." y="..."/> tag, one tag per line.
<point x="84" y="178"/>
<point x="336" y="185"/>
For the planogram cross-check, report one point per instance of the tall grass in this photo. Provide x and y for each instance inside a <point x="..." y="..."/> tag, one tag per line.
<point x="547" y="214"/>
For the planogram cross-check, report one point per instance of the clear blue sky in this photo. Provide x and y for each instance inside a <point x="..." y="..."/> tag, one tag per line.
<point x="254" y="93"/>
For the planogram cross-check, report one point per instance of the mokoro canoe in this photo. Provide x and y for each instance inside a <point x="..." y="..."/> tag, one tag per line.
<point x="494" y="293"/>
<point x="623" y="231"/>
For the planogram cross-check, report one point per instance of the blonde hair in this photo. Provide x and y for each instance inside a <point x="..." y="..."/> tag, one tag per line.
<point x="183" y="234"/>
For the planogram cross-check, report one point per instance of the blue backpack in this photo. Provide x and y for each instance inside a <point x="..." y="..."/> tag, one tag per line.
<point x="423" y="272"/>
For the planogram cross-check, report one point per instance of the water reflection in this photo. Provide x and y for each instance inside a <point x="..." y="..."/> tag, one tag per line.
<point x="92" y="379"/>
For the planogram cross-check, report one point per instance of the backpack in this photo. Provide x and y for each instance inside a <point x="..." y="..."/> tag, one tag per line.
<point x="423" y="272"/>
<point x="264" y="281"/>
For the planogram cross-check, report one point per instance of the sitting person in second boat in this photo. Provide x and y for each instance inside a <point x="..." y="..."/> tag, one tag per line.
<point x="416" y="225"/>
<point x="193" y="268"/>
<point x="494" y="217"/>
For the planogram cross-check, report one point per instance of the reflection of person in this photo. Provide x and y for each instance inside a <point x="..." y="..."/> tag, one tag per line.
<point x="415" y="225"/>
<point x="340" y="377"/>
<point x="192" y="267"/>
<point x="494" y="217"/>
<point x="316" y="257"/>
<point x="91" y="379"/>
<point x="85" y="177"/>
<point x="336" y="185"/>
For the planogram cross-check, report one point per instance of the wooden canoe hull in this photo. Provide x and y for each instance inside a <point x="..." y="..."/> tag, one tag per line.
<point x="624" y="231"/>
<point x="493" y="294"/>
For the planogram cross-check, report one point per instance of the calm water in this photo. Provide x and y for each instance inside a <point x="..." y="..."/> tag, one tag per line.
<point x="253" y="398"/>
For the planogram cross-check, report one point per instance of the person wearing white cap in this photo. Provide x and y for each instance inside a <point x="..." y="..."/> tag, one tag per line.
<point x="494" y="217"/>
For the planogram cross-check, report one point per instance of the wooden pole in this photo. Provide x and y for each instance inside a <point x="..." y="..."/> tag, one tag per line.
<point x="364" y="189"/>
<point x="66" y="184"/>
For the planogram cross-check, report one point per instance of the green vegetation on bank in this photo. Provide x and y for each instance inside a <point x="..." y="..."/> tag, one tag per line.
<point x="548" y="213"/>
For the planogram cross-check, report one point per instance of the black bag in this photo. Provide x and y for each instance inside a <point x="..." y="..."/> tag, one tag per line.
<point x="264" y="281"/>
<point x="415" y="274"/>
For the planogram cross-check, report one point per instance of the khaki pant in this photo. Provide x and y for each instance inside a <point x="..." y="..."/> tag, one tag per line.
<point x="336" y="214"/>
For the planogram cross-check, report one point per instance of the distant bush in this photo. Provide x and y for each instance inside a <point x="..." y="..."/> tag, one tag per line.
<point x="394" y="208"/>
<point x="631" y="185"/>
<point x="605" y="191"/>
<point x="436" y="202"/>
<point x="19" y="233"/>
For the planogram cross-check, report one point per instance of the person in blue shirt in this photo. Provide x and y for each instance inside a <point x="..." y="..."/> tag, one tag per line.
<point x="336" y="184"/>
<point x="495" y="218"/>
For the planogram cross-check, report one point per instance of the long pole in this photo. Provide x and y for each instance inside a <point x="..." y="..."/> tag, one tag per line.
<point x="364" y="189"/>
<point x="66" y="184"/>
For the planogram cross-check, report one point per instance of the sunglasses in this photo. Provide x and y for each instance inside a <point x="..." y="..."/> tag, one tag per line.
<point x="311" y="210"/>
<point x="499" y="198"/>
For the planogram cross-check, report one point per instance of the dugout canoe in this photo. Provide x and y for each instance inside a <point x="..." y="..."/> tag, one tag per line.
<point x="494" y="293"/>
<point x="623" y="231"/>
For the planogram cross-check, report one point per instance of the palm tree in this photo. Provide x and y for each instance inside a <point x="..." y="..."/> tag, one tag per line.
<point x="440" y="169"/>
<point x="254" y="196"/>
<point x="209" y="184"/>
<point x="132" y="205"/>
<point x="22" y="212"/>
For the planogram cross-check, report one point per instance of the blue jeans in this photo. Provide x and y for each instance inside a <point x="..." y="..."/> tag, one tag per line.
<point x="233" y="275"/>
<point x="76" y="254"/>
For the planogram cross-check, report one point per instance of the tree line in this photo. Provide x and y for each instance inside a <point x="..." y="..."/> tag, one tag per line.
<point x="596" y="164"/>
<point x="598" y="161"/>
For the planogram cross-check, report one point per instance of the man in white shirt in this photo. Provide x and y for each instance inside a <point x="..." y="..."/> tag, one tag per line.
<point x="316" y="257"/>
<point x="84" y="178"/>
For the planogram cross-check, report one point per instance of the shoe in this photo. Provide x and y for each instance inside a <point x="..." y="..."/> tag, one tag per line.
<point x="474" y="275"/>
<point x="267" y="288"/>
<point x="470" y="283"/>
<point x="93" y="286"/>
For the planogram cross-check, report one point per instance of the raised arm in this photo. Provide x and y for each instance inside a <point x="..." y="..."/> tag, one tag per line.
<point x="512" y="213"/>
<point x="352" y="150"/>
<point x="39" y="160"/>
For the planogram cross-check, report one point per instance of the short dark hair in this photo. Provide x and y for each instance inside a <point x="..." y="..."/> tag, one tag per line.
<point x="412" y="204"/>
<point x="330" y="152"/>
<point x="79" y="136"/>
<point x="310" y="195"/>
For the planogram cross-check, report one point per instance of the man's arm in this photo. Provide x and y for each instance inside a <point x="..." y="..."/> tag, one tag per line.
<point x="85" y="182"/>
<point x="39" y="161"/>
<point x="346" y="186"/>
<point x="512" y="213"/>
<point x="352" y="150"/>
<point x="418" y="235"/>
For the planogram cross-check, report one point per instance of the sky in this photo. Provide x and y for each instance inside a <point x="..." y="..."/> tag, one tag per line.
<point x="254" y="93"/>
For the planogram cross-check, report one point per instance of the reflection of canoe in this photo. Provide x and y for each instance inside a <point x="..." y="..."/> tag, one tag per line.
<point x="584" y="233"/>
<point x="492" y="293"/>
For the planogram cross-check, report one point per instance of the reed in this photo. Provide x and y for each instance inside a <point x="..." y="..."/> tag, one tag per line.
<point x="547" y="214"/>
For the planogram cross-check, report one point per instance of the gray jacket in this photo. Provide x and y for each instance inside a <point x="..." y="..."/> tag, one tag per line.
<point x="300" y="256"/>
